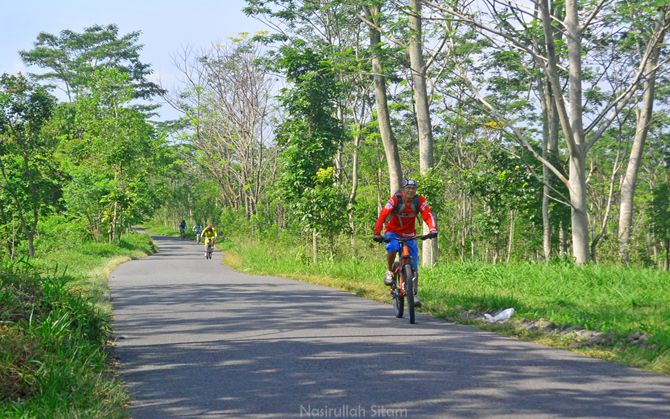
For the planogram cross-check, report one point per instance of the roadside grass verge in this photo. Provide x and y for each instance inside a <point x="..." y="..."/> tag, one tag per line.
<point x="55" y="327"/>
<point x="159" y="229"/>
<point x="162" y="230"/>
<point x="604" y="311"/>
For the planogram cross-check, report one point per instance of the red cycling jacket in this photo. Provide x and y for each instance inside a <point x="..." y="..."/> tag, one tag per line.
<point x="403" y="224"/>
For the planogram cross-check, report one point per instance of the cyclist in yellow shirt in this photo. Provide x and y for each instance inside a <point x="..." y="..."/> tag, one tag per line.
<point x="208" y="236"/>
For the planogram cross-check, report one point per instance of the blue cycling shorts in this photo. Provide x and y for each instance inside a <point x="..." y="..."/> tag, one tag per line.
<point x="394" y="246"/>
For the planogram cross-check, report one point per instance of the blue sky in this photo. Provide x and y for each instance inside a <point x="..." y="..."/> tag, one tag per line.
<point x="167" y="27"/>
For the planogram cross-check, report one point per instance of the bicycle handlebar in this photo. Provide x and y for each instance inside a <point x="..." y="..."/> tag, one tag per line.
<point x="407" y="239"/>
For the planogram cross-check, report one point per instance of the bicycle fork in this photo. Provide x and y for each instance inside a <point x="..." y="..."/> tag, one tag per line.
<point x="405" y="259"/>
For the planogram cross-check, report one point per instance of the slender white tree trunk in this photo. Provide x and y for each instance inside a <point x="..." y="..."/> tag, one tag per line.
<point x="644" y="114"/>
<point x="570" y="116"/>
<point x="580" y="221"/>
<point x="422" y="112"/>
<point x="510" y="238"/>
<point x="381" y="100"/>
<point x="579" y="215"/>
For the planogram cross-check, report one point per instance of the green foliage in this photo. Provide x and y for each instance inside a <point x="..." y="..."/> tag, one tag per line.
<point x="431" y="186"/>
<point x="52" y="362"/>
<point x="72" y="58"/>
<point x="28" y="177"/>
<point x="110" y="155"/>
<point x="309" y="138"/>
<point x="324" y="206"/>
<point x="502" y="183"/>
<point x="660" y="211"/>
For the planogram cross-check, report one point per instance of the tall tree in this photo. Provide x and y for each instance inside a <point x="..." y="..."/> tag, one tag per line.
<point x="644" y="114"/>
<point x="112" y="146"/>
<point x="26" y="155"/>
<point x="309" y="138"/>
<point x="567" y="80"/>
<point x="422" y="111"/>
<point x="228" y="105"/>
<point x="71" y="58"/>
<point x="373" y="15"/>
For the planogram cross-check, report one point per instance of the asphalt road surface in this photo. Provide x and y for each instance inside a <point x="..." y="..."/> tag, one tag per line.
<point x="197" y="339"/>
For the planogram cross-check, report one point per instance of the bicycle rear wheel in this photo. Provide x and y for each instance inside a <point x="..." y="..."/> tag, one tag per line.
<point x="398" y="301"/>
<point x="408" y="271"/>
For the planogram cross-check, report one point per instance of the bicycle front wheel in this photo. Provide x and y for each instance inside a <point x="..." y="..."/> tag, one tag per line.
<point x="408" y="271"/>
<point x="398" y="301"/>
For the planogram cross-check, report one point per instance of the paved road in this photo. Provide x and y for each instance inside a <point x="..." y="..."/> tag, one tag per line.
<point x="197" y="339"/>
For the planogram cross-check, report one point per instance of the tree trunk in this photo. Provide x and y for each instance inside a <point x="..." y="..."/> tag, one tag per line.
<point x="315" y="248"/>
<point x="644" y="114"/>
<point x="422" y="112"/>
<point x="31" y="243"/>
<point x="510" y="239"/>
<point x="598" y="235"/>
<point x="562" y="239"/>
<point x="338" y="155"/>
<point x="463" y="231"/>
<point x="571" y="121"/>
<point x="354" y="190"/>
<point x="383" y="117"/>
<point x="580" y="221"/>
<point x="579" y="216"/>
<point x="112" y="225"/>
<point x="549" y="152"/>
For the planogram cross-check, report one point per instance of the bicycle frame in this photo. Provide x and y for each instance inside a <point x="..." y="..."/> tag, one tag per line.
<point x="404" y="258"/>
<point x="209" y="244"/>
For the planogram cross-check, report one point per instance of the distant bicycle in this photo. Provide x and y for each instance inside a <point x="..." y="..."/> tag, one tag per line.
<point x="182" y="229"/>
<point x="197" y="229"/>
<point x="210" y="248"/>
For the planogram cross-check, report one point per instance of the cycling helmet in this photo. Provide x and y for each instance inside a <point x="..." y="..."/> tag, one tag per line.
<point x="409" y="182"/>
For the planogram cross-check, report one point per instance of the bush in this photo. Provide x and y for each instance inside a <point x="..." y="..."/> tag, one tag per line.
<point x="18" y="368"/>
<point x="59" y="233"/>
<point x="51" y="341"/>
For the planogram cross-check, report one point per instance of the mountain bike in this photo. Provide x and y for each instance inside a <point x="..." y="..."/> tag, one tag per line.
<point x="404" y="278"/>
<point x="210" y="248"/>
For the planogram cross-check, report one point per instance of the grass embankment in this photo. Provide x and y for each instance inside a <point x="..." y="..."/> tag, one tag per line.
<point x="609" y="312"/>
<point x="54" y="328"/>
<point x="160" y="230"/>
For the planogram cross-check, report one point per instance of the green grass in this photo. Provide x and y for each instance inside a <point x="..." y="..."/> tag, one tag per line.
<point x="613" y="300"/>
<point x="160" y="229"/>
<point x="54" y="328"/>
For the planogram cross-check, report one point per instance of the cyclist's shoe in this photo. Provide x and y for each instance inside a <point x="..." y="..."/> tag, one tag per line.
<point x="388" y="279"/>
<point x="417" y="303"/>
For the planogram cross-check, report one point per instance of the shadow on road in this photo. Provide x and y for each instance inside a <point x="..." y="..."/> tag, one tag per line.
<point x="227" y="344"/>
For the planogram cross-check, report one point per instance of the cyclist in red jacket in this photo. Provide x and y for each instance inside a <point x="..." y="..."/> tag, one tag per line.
<point x="399" y="214"/>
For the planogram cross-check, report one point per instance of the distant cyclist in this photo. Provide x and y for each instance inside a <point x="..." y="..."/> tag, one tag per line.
<point x="209" y="235"/>
<point x="400" y="213"/>
<point x="197" y="229"/>
<point x="182" y="228"/>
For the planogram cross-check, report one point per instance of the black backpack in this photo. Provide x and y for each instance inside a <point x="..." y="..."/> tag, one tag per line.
<point x="401" y="205"/>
